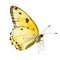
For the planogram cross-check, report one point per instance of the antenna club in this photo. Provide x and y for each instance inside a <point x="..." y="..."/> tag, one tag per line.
<point x="56" y="33"/>
<point x="49" y="25"/>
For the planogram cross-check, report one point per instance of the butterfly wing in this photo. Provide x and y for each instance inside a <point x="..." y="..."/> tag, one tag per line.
<point x="22" y="38"/>
<point x="22" y="19"/>
<point x="25" y="31"/>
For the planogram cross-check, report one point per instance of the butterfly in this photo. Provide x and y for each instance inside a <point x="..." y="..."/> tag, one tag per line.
<point x="25" y="32"/>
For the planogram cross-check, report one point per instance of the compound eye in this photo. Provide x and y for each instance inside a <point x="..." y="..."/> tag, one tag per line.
<point x="41" y="35"/>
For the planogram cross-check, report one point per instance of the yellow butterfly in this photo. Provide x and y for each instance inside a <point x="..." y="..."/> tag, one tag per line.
<point x="25" y="32"/>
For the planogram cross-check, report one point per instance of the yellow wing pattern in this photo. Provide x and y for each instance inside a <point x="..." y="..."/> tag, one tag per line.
<point x="21" y="18"/>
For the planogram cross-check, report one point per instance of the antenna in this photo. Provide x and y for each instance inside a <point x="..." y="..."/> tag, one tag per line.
<point x="50" y="33"/>
<point x="46" y="28"/>
<point x="47" y="33"/>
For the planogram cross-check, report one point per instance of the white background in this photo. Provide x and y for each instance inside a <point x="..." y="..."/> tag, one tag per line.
<point x="44" y="13"/>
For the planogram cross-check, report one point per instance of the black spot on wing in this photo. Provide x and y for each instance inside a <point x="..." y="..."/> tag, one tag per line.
<point x="20" y="13"/>
<point x="27" y="20"/>
<point x="33" y="29"/>
<point x="16" y="48"/>
<point x="27" y="27"/>
<point x="12" y="6"/>
<point x="12" y="17"/>
<point x="16" y="42"/>
<point x="18" y="45"/>
<point x="10" y="33"/>
<point x="21" y="29"/>
<point x="16" y="8"/>
<point x="12" y="43"/>
<point x="13" y="21"/>
<point x="10" y="38"/>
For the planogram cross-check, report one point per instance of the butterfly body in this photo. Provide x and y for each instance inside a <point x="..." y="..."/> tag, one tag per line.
<point x="25" y="32"/>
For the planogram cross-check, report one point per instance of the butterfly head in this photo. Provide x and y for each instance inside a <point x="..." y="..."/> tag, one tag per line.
<point x="39" y="37"/>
